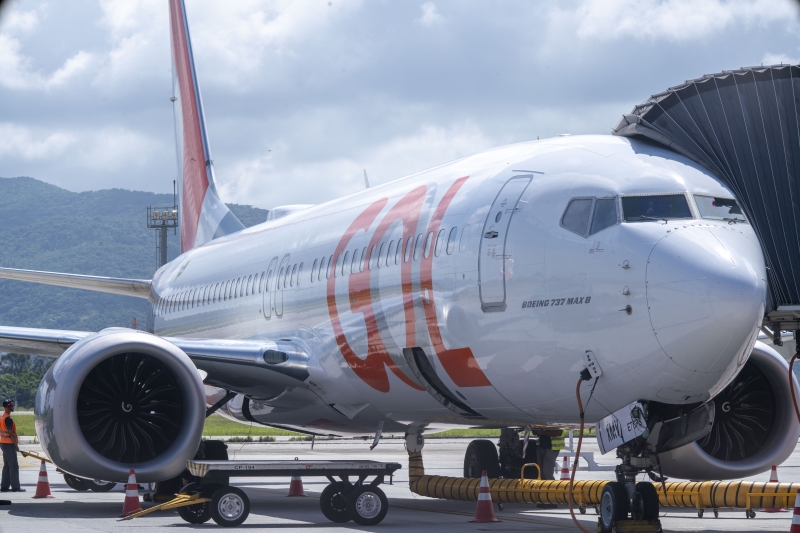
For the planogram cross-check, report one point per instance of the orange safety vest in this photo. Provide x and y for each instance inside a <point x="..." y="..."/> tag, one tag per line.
<point x="6" y="436"/>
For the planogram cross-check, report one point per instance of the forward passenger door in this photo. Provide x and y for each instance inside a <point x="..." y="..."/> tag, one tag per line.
<point x="493" y="262"/>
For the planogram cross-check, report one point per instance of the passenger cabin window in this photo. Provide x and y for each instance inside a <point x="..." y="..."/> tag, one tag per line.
<point x="462" y="244"/>
<point x="439" y="242"/>
<point x="299" y="273"/>
<point x="390" y="253"/>
<point x="655" y="207"/>
<point x="418" y="247"/>
<point x="372" y="256"/>
<point x="313" y="269"/>
<point x="451" y="240"/>
<point x="716" y="208"/>
<point x="576" y="217"/>
<point x="428" y="244"/>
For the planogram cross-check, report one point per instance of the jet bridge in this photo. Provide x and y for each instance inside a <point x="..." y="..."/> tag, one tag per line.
<point x="743" y="126"/>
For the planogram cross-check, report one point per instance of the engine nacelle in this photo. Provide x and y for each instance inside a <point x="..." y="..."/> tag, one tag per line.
<point x="754" y="427"/>
<point x="121" y="399"/>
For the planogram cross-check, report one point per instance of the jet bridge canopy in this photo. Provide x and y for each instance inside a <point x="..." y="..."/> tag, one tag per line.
<point x="743" y="126"/>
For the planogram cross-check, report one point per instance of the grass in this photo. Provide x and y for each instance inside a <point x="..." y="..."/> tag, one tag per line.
<point x="456" y="433"/>
<point x="218" y="426"/>
<point x="24" y="425"/>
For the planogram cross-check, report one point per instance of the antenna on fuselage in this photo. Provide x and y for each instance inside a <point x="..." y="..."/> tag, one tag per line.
<point x="366" y="180"/>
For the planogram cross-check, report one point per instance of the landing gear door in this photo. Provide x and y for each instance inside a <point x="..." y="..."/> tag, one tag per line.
<point x="268" y="288"/>
<point x="277" y="288"/>
<point x="493" y="264"/>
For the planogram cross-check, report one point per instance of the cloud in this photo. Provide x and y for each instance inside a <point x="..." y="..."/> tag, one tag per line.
<point x="15" y="20"/>
<point x="673" y="20"/>
<point x="776" y="59"/>
<point x="430" y="16"/>
<point x="22" y="142"/>
<point x="266" y="181"/>
<point x="16" y="71"/>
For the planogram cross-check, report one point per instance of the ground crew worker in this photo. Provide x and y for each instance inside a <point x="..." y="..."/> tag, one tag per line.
<point x="10" y="445"/>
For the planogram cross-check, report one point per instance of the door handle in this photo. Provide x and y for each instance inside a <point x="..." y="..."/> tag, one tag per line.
<point x="490" y="235"/>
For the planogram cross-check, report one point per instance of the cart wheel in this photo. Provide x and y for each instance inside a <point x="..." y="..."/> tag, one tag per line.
<point x="333" y="502"/>
<point x="751" y="513"/>
<point x="97" y="485"/>
<point x="76" y="483"/>
<point x="597" y="510"/>
<point x="582" y="510"/>
<point x="196" y="514"/>
<point x="700" y="513"/>
<point x="500" y="506"/>
<point x="716" y="513"/>
<point x="367" y="505"/>
<point x="229" y="506"/>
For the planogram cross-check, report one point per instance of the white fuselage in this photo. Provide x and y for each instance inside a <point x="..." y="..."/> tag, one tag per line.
<point x="505" y="313"/>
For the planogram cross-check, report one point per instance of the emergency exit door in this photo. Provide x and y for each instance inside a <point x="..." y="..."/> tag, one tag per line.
<point x="280" y="282"/>
<point x="271" y="275"/>
<point x="494" y="263"/>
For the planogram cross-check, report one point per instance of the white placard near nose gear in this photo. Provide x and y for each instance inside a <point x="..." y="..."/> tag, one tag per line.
<point x="620" y="427"/>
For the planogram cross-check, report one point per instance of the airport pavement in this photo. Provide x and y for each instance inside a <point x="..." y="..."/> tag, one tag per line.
<point x="83" y="512"/>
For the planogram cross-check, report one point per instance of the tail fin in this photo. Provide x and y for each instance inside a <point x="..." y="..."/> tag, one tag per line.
<point x="203" y="215"/>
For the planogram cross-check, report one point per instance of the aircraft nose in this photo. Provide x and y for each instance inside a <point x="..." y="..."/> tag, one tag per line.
<point x="706" y="293"/>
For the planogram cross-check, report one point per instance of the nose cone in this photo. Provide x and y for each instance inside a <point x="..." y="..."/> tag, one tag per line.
<point x="706" y="290"/>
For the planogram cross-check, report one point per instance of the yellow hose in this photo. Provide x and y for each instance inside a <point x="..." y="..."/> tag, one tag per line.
<point x="587" y="493"/>
<point x="732" y="494"/>
<point x="700" y="495"/>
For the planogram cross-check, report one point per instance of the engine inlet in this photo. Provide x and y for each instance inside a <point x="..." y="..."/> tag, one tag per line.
<point x="129" y="408"/>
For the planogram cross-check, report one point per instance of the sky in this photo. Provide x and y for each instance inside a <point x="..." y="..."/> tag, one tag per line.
<point x="301" y="96"/>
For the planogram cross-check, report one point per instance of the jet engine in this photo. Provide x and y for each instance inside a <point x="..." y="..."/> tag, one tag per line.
<point x="754" y="426"/>
<point x="121" y="399"/>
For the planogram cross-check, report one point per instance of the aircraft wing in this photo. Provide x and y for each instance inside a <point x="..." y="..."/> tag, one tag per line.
<point x="247" y="366"/>
<point x="139" y="288"/>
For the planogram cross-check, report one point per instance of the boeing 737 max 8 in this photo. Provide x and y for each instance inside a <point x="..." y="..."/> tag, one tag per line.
<point x="474" y="294"/>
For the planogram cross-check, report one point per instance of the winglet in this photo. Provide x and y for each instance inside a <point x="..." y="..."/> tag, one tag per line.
<point x="204" y="216"/>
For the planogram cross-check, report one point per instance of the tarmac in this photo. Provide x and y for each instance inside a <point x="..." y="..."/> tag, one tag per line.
<point x="83" y="512"/>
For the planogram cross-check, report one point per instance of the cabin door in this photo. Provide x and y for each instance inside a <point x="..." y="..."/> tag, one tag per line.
<point x="493" y="264"/>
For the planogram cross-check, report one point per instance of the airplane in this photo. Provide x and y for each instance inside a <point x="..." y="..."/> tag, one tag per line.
<point x="474" y="294"/>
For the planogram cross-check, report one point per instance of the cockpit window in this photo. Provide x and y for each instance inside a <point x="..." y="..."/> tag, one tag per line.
<point x="605" y="214"/>
<point x="576" y="217"/>
<point x="716" y="208"/>
<point x="656" y="207"/>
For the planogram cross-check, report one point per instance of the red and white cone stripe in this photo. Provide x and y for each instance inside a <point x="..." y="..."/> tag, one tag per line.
<point x="131" y="504"/>
<point x="296" y="487"/>
<point x="773" y="478"/>
<point x="43" y="485"/>
<point x="484" y="512"/>
<point x="565" y="470"/>
<point x="796" y="516"/>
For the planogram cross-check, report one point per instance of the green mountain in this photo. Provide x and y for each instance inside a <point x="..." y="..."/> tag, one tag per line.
<point x="104" y="233"/>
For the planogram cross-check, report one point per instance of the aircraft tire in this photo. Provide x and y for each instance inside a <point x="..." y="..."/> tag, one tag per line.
<point x="481" y="455"/>
<point x="76" y="483"/>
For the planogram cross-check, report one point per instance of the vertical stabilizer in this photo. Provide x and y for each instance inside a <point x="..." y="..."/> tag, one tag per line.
<point x="203" y="215"/>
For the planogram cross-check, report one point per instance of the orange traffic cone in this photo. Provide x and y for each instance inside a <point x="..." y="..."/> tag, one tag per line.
<point x="773" y="478"/>
<point x="565" y="470"/>
<point x="43" y="486"/>
<point x="131" y="504"/>
<point x="796" y="516"/>
<point x="484" y="512"/>
<point x="296" y="487"/>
